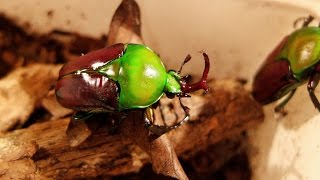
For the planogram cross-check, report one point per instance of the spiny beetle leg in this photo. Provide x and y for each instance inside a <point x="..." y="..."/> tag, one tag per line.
<point x="279" y="108"/>
<point x="159" y="130"/>
<point x="306" y="21"/>
<point x="81" y="115"/>
<point x="312" y="84"/>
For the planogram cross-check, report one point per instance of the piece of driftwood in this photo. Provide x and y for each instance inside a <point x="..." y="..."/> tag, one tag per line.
<point x="43" y="150"/>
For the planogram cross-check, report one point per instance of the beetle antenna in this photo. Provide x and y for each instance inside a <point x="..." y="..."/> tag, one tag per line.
<point x="306" y="21"/>
<point x="202" y="84"/>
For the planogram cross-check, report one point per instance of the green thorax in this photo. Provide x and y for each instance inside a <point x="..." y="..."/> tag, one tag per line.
<point x="302" y="50"/>
<point x="141" y="75"/>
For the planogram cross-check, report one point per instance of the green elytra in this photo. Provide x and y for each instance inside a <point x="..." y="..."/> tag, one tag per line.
<point x="302" y="50"/>
<point x="140" y="86"/>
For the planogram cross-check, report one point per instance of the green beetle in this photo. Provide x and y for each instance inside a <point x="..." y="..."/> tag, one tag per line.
<point x="122" y="77"/>
<point x="293" y="62"/>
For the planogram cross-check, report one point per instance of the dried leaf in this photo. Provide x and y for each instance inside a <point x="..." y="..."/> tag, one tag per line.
<point x="125" y="24"/>
<point x="78" y="132"/>
<point x="163" y="157"/>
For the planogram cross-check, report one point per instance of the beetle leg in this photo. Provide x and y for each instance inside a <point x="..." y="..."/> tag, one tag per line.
<point x="149" y="118"/>
<point x="312" y="84"/>
<point x="159" y="130"/>
<point x="81" y="115"/>
<point x="280" y="106"/>
<point x="306" y="21"/>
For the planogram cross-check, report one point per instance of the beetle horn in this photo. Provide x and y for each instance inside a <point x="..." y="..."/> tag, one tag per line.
<point x="202" y="84"/>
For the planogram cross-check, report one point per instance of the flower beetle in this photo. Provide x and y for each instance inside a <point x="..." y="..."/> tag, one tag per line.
<point x="120" y="78"/>
<point x="294" y="61"/>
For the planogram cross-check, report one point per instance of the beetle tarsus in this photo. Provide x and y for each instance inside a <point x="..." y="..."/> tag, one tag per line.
<point x="312" y="84"/>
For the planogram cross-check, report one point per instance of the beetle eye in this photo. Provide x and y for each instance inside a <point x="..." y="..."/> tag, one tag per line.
<point x="170" y="95"/>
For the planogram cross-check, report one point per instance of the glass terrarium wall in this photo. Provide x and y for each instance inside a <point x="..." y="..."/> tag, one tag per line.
<point x="237" y="36"/>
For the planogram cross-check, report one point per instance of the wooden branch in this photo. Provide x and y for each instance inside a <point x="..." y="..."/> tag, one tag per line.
<point x="43" y="150"/>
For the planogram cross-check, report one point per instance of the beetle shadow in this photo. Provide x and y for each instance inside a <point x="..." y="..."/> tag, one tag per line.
<point x="273" y="152"/>
<point x="265" y="159"/>
<point x="299" y="110"/>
